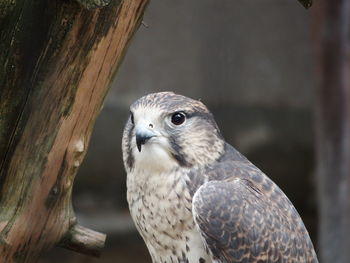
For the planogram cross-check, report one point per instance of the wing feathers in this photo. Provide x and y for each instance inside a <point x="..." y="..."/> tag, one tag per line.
<point x="239" y="223"/>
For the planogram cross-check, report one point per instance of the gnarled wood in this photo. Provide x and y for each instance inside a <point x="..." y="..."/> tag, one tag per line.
<point x="57" y="60"/>
<point x="83" y="240"/>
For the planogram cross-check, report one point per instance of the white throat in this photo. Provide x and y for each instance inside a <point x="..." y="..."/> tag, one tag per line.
<point x="153" y="158"/>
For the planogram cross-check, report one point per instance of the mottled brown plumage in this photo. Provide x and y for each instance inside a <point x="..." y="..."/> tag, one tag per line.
<point x="245" y="217"/>
<point x="194" y="198"/>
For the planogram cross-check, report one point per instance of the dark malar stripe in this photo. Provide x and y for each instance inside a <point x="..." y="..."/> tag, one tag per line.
<point x="181" y="160"/>
<point x="130" y="158"/>
<point x="178" y="154"/>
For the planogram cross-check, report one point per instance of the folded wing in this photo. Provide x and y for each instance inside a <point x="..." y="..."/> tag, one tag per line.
<point x="240" y="223"/>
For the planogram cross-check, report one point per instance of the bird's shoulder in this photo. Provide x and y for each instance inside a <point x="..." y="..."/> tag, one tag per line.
<point x="233" y="165"/>
<point x="239" y="207"/>
<point x="235" y="171"/>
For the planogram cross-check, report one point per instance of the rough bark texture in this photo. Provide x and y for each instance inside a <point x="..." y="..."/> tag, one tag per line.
<point x="332" y="39"/>
<point x="57" y="60"/>
<point x="83" y="240"/>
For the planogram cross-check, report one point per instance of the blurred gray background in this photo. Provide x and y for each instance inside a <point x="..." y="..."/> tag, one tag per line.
<point x="250" y="62"/>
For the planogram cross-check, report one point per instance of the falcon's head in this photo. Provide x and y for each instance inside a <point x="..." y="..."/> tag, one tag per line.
<point x="166" y="130"/>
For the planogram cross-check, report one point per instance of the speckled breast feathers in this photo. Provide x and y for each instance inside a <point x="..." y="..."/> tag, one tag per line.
<point x="194" y="198"/>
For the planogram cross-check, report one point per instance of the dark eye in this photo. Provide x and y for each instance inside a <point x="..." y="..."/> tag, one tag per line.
<point x="178" y="118"/>
<point x="132" y="117"/>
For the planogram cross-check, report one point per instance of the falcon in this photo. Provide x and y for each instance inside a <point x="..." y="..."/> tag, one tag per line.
<point x="194" y="198"/>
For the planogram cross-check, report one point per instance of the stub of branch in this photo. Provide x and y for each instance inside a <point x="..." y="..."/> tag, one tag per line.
<point x="306" y="3"/>
<point x="83" y="240"/>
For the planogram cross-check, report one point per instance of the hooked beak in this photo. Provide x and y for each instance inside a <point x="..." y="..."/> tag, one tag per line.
<point x="142" y="136"/>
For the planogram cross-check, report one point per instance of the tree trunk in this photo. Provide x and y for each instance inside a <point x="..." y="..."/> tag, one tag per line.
<point x="332" y="39"/>
<point x="57" y="60"/>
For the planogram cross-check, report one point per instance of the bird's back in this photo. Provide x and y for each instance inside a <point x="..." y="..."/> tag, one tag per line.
<point x="242" y="212"/>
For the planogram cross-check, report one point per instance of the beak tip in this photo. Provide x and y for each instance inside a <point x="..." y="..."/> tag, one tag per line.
<point x="142" y="138"/>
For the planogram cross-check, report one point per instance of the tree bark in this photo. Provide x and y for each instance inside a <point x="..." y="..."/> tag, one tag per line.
<point x="57" y="60"/>
<point x="332" y="42"/>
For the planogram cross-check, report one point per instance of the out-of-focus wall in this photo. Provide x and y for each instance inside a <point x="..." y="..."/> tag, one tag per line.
<point x="249" y="61"/>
